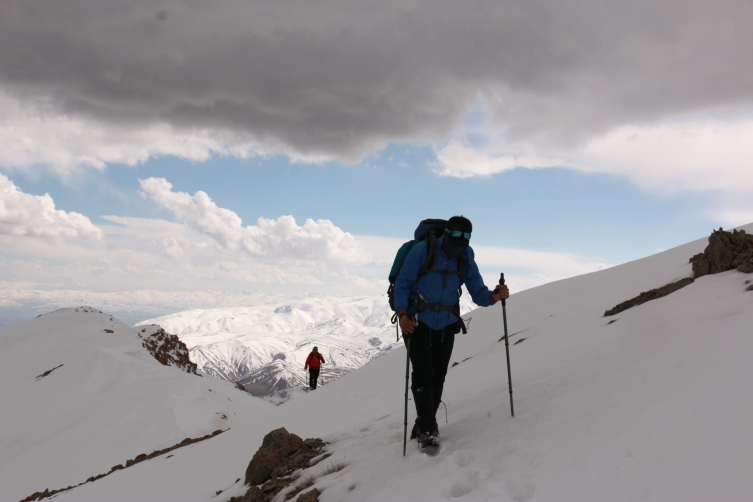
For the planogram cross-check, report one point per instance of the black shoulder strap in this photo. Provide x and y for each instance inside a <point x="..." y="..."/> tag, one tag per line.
<point x="431" y="254"/>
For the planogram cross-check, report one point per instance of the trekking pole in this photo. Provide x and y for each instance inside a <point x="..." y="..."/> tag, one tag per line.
<point x="507" y="344"/>
<point x="405" y="420"/>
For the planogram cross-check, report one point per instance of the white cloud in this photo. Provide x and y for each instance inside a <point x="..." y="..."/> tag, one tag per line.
<point x="35" y="215"/>
<point x="684" y="155"/>
<point x="459" y="160"/>
<point x="731" y="218"/>
<point x="710" y="153"/>
<point x="279" y="239"/>
<point x="172" y="247"/>
<point x="541" y="263"/>
<point x="34" y="133"/>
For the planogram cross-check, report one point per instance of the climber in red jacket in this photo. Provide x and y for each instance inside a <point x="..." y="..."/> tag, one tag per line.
<point x="313" y="363"/>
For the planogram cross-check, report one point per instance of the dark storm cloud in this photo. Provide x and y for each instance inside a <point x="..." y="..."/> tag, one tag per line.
<point x="343" y="78"/>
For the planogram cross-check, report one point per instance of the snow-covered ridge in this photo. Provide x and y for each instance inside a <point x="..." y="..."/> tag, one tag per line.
<point x="265" y="346"/>
<point x="81" y="393"/>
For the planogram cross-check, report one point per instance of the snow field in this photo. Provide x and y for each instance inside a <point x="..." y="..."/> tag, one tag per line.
<point x="110" y="401"/>
<point x="656" y="406"/>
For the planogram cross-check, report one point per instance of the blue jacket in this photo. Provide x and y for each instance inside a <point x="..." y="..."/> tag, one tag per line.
<point x="430" y="286"/>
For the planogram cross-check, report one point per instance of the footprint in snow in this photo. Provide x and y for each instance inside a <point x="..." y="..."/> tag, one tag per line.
<point x="520" y="491"/>
<point x="464" y="482"/>
<point x="463" y="458"/>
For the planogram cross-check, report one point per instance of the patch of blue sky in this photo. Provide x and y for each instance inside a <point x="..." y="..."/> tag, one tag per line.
<point x="602" y="217"/>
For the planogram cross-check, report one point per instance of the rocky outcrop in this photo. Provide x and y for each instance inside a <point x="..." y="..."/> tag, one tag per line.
<point x="280" y="455"/>
<point x="312" y="496"/>
<point x="168" y="349"/>
<point x="726" y="251"/>
<point x="647" y="296"/>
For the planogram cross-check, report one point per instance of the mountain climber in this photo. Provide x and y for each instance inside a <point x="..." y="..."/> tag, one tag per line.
<point x="313" y="363"/>
<point x="431" y="321"/>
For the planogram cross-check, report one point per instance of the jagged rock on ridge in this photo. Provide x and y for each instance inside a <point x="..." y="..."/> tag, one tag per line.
<point x="169" y="350"/>
<point x="726" y="251"/>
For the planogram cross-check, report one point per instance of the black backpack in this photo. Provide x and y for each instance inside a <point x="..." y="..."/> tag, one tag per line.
<point x="427" y="230"/>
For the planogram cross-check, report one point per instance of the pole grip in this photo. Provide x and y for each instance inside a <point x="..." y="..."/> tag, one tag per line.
<point x="502" y="283"/>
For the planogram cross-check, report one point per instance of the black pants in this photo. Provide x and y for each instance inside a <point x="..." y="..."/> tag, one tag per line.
<point x="430" y="352"/>
<point x="313" y="377"/>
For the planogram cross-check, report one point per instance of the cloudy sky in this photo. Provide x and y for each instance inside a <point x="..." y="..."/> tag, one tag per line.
<point x="286" y="146"/>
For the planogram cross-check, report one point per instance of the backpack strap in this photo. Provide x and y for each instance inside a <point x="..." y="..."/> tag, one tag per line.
<point x="429" y="264"/>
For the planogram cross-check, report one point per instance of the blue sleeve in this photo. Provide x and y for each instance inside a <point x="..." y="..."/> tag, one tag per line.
<point x="408" y="276"/>
<point x="475" y="284"/>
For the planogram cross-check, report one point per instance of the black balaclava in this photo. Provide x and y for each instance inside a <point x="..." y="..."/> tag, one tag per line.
<point x="454" y="246"/>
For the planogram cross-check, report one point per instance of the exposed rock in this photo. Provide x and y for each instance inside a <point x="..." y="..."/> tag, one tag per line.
<point x="239" y="386"/>
<point x="279" y="456"/>
<point x="253" y="494"/>
<point x="311" y="496"/>
<point x="276" y="447"/>
<point x="726" y="251"/>
<point x="169" y="350"/>
<point x="650" y="295"/>
<point x="39" y="377"/>
<point x="750" y="288"/>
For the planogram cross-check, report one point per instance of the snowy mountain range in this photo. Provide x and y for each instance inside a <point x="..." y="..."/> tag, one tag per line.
<point x="651" y="404"/>
<point x="17" y="305"/>
<point x="265" y="346"/>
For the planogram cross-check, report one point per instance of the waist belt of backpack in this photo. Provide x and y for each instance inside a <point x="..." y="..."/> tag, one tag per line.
<point x="440" y="307"/>
<point x="437" y="307"/>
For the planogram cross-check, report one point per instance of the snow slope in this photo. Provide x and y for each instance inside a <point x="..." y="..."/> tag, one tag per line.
<point x="656" y="406"/>
<point x="109" y="401"/>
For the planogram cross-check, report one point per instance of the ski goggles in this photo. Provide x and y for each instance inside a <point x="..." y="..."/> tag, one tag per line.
<point x="459" y="233"/>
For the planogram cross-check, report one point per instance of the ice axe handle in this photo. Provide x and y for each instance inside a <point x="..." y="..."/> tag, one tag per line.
<point x="501" y="283"/>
